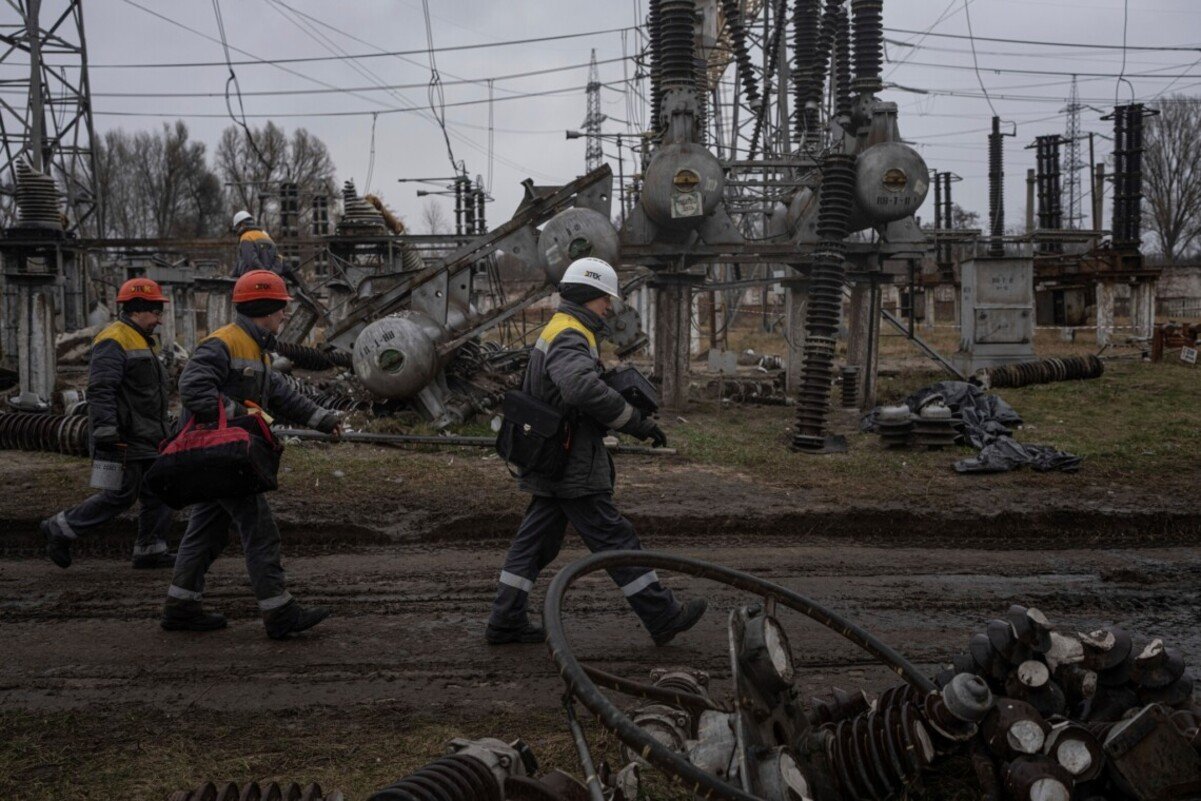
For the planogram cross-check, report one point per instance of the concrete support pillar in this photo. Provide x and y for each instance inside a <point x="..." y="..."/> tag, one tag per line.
<point x="74" y="292"/>
<point x="1142" y="308"/>
<point x="37" y="362"/>
<point x="796" y="299"/>
<point x="1106" y="294"/>
<point x="695" y="345"/>
<point x="673" y="335"/>
<point x="168" y="331"/>
<point x="928" y="312"/>
<point x="10" y="313"/>
<point x="863" y="337"/>
<point x="218" y="307"/>
<point x="185" y="312"/>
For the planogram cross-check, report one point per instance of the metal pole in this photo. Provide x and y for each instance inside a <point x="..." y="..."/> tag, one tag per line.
<point x="621" y="180"/>
<point x="37" y="121"/>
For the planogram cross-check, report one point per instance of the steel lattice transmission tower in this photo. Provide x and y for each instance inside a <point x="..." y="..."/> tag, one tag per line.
<point x="1072" y="165"/>
<point x="594" y="155"/>
<point x="46" y="55"/>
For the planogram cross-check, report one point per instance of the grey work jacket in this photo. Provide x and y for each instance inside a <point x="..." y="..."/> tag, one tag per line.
<point x="233" y="363"/>
<point x="565" y="371"/>
<point x="127" y="390"/>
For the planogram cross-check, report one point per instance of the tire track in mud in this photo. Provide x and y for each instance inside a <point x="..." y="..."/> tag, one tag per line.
<point x="409" y="618"/>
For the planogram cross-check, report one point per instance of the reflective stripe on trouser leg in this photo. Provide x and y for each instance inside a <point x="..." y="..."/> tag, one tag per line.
<point x="535" y="546"/>
<point x="202" y="543"/>
<point x="180" y="594"/>
<point x="100" y="508"/>
<point x="260" y="541"/>
<point x="603" y="528"/>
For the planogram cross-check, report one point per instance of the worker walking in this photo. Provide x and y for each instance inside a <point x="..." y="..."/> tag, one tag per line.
<point x="232" y="366"/>
<point x="565" y="372"/>
<point x="127" y="417"/>
<point x="257" y="251"/>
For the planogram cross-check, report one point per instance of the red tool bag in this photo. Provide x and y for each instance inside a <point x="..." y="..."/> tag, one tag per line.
<point x="205" y="462"/>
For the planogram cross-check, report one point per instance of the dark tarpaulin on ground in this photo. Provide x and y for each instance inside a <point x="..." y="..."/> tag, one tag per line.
<point x="986" y="423"/>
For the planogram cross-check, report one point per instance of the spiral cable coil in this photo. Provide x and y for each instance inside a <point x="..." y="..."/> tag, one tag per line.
<point x="836" y="200"/>
<point x="457" y="777"/>
<point x="869" y="45"/>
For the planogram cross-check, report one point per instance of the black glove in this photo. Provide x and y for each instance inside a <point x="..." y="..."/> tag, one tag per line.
<point x="106" y="437"/>
<point x="646" y="428"/>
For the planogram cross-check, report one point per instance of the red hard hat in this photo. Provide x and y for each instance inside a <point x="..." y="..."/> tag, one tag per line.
<point x="260" y="285"/>
<point x="141" y="289"/>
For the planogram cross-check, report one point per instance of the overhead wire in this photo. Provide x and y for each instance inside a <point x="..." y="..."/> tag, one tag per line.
<point x="975" y="60"/>
<point x="437" y="97"/>
<point x="1046" y="43"/>
<point x="371" y="155"/>
<point x="232" y="80"/>
<point x="1121" y="73"/>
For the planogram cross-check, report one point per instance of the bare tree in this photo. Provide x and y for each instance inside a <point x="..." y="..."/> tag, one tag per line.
<point x="1172" y="176"/>
<point x="253" y="172"/>
<point x="435" y="218"/>
<point x="157" y="184"/>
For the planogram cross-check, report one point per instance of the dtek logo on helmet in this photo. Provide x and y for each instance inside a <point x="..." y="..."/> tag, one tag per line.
<point x="591" y="274"/>
<point x="262" y="286"/>
<point x="140" y="289"/>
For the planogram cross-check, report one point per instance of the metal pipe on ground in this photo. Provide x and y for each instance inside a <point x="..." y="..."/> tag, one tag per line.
<point x="368" y="438"/>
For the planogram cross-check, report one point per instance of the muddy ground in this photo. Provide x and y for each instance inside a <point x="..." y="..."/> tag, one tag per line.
<point x="404" y="546"/>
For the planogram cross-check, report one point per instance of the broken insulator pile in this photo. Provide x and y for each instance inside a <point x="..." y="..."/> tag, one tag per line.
<point x="228" y="791"/>
<point x="358" y="216"/>
<point x="895" y="424"/>
<point x="1045" y="371"/>
<point x="1083" y="715"/>
<point x="51" y="433"/>
<point x="824" y="310"/>
<point x="850" y="387"/>
<point x="37" y="199"/>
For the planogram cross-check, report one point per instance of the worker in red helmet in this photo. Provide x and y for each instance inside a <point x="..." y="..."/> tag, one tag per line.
<point x="232" y="366"/>
<point x="127" y="415"/>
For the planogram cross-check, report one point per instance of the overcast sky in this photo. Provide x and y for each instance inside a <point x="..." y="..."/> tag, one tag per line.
<point x="529" y="139"/>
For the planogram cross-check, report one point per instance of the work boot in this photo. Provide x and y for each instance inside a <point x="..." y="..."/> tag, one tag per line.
<point x="153" y="561"/>
<point x="292" y="619"/>
<point x="529" y="633"/>
<point x="684" y="619"/>
<point x="58" y="546"/>
<point x="190" y="616"/>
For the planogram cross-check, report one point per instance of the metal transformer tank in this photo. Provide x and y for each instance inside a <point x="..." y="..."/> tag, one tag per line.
<point x="397" y="356"/>
<point x="684" y="185"/>
<point x="574" y="234"/>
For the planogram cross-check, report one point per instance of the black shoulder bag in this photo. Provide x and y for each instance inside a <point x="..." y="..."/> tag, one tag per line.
<point x="534" y="437"/>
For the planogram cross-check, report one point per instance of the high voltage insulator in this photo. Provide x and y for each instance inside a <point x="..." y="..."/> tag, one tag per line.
<point x="702" y="99"/>
<point x="836" y="200"/>
<point x="869" y="45"/>
<point x="37" y="199"/>
<point x="452" y="778"/>
<point x="52" y="433"/>
<point x="736" y="29"/>
<point x="996" y="190"/>
<point x="806" y="91"/>
<point x="1128" y="175"/>
<point x="357" y="214"/>
<point x="654" y="26"/>
<point x="678" y="43"/>
<point x="1046" y="371"/>
<point x="307" y="358"/>
<point x="841" y="58"/>
<point x="878" y="753"/>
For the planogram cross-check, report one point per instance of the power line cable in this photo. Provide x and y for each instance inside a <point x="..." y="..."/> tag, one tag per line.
<point x="436" y="96"/>
<point x="232" y="80"/>
<point x="1045" y="43"/>
<point x="252" y="61"/>
<point x="371" y="156"/>
<point x="975" y="62"/>
<point x="1125" y="28"/>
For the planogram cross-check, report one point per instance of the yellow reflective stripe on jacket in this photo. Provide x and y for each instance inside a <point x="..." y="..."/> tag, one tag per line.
<point x="255" y="235"/>
<point x="562" y="322"/>
<point x="128" y="337"/>
<point x="243" y="350"/>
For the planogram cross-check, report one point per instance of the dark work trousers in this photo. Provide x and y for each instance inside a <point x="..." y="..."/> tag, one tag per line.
<point x="206" y="538"/>
<point x="602" y="528"/>
<point x="154" y="518"/>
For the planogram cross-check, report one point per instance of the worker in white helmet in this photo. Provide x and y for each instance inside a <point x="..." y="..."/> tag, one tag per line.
<point x="565" y="371"/>
<point x="257" y="251"/>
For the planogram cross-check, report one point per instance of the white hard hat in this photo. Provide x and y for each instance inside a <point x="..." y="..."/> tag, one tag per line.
<point x="241" y="217"/>
<point x="594" y="272"/>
